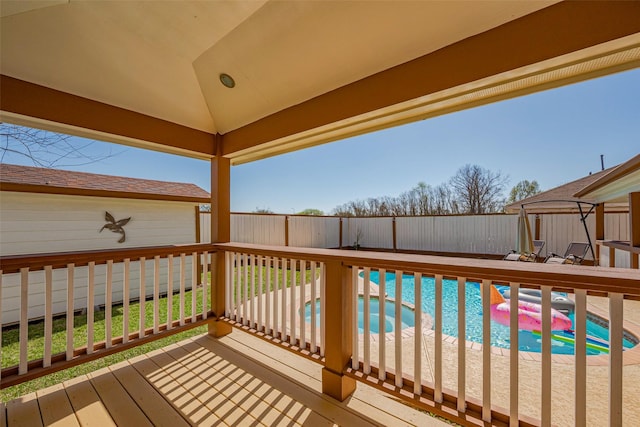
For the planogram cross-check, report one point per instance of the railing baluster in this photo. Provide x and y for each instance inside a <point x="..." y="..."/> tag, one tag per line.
<point x="545" y="407"/>
<point x="616" y="303"/>
<point x="125" y="300"/>
<point x="228" y="283"/>
<point x="312" y="308"/>
<point x="267" y="297"/>
<point x="462" y="341"/>
<point x="195" y="280"/>
<point x="355" y="356"/>
<point x="48" y="315"/>
<point x="292" y="302"/>
<point x="276" y="280"/>
<point x="205" y="284"/>
<point x="252" y="293"/>
<point x="245" y="291"/>
<point x="283" y="326"/>
<point x="0" y="324"/>
<point x="183" y="267"/>
<point x="366" y="311"/>
<point x="323" y="310"/>
<point x="156" y="294"/>
<point x="580" y="357"/>
<point x="90" y="299"/>
<point x="108" y="304"/>
<point x="260" y="294"/>
<point x="70" y="310"/>
<point x="437" y="390"/>
<point x="238" y="286"/>
<point x="514" y="356"/>
<point x="382" y="361"/>
<point x="396" y="329"/>
<point x="417" y="349"/>
<point x="486" y="350"/>
<point x="170" y="292"/>
<point x="142" y="297"/>
<point x="24" y="319"/>
<point x="303" y="275"/>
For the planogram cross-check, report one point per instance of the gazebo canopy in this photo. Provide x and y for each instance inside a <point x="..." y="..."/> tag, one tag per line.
<point x="305" y="72"/>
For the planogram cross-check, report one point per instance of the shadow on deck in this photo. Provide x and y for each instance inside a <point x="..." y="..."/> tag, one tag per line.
<point x="235" y="380"/>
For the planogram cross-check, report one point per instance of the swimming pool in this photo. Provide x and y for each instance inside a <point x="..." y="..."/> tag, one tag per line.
<point x="527" y="341"/>
<point x="407" y="315"/>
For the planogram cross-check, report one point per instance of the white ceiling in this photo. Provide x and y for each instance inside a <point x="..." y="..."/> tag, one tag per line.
<point x="163" y="58"/>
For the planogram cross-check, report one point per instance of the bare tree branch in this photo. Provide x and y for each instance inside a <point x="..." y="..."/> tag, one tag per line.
<point x="47" y="149"/>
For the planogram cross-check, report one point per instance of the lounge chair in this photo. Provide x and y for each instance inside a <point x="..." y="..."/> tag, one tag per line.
<point x="575" y="253"/>
<point x="532" y="257"/>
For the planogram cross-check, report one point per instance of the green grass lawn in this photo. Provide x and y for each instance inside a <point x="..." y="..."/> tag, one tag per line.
<point x="11" y="338"/>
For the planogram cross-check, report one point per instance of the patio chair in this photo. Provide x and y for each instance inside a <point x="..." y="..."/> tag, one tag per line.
<point x="575" y="253"/>
<point x="532" y="257"/>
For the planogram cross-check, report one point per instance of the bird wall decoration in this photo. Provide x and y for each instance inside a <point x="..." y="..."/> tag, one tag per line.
<point x="115" y="226"/>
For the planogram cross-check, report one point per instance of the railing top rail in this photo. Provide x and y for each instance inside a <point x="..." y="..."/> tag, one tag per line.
<point x="13" y="263"/>
<point x="600" y="279"/>
<point x="618" y="244"/>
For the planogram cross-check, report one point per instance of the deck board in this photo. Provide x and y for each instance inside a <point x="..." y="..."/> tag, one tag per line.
<point x="159" y="411"/>
<point x="86" y="403"/>
<point x="24" y="411"/>
<point x="235" y="380"/>
<point x="55" y="407"/>
<point x="3" y="414"/>
<point x="122" y="408"/>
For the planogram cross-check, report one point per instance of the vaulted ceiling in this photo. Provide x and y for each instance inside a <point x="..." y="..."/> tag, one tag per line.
<point x="147" y="73"/>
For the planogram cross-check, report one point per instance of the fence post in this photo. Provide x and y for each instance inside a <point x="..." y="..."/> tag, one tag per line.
<point x="338" y="331"/>
<point x="395" y="245"/>
<point x="634" y="226"/>
<point x="220" y="233"/>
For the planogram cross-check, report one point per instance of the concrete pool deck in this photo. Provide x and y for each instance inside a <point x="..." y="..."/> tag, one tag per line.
<point x="529" y="367"/>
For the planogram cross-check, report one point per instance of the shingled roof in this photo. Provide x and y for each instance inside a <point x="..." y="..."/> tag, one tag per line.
<point x="559" y="198"/>
<point x="55" y="181"/>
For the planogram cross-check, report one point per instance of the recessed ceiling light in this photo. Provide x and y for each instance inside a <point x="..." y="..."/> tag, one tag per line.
<point x="227" y="80"/>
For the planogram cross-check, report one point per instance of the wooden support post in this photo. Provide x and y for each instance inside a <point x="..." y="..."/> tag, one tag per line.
<point x="599" y="231"/>
<point x="340" y="234"/>
<point x="537" y="227"/>
<point x="220" y="233"/>
<point x="634" y="226"/>
<point x="339" y="330"/>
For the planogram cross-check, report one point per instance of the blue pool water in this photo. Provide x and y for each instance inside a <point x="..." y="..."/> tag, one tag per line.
<point x="407" y="316"/>
<point x="527" y="341"/>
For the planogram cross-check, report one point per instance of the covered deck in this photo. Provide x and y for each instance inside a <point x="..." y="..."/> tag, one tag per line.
<point x="236" y="380"/>
<point x="227" y="82"/>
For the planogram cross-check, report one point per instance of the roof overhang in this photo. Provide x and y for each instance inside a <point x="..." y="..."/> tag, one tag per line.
<point x="616" y="185"/>
<point x="336" y="70"/>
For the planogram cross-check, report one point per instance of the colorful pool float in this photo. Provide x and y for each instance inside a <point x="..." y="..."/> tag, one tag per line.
<point x="529" y="314"/>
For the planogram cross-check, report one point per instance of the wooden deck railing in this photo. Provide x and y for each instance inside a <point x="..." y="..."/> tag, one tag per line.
<point x="268" y="291"/>
<point x="139" y="280"/>
<point x="398" y="364"/>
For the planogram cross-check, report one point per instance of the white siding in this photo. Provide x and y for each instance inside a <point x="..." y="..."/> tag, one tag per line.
<point x="314" y="232"/>
<point x="32" y="223"/>
<point x="11" y="287"/>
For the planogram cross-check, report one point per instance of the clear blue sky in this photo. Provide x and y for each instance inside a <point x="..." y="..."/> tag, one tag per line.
<point x="552" y="137"/>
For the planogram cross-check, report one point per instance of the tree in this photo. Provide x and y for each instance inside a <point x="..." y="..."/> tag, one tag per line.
<point x="46" y="149"/>
<point x="522" y="190"/>
<point x="316" y="212"/>
<point x="478" y="190"/>
<point x="263" y="211"/>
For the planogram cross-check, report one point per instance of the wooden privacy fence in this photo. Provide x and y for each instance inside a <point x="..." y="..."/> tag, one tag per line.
<point x="467" y="234"/>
